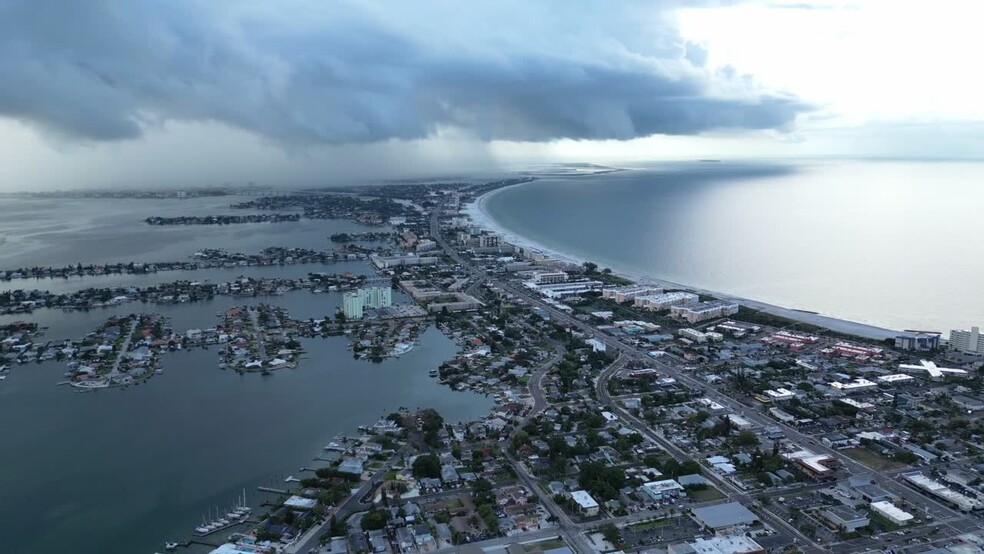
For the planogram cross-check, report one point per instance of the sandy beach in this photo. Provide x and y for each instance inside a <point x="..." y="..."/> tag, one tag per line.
<point x="477" y="213"/>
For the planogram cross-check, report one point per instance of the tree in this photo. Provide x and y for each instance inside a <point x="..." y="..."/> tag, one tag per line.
<point x="431" y="423"/>
<point x="689" y="467"/>
<point x="487" y="514"/>
<point x="482" y="491"/>
<point x="337" y="527"/>
<point x="427" y="465"/>
<point x="600" y="481"/>
<point x="611" y="534"/>
<point x="746" y="438"/>
<point x="375" y="519"/>
<point x="519" y="439"/>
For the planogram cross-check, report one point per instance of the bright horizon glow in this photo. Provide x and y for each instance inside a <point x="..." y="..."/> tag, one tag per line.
<point x="864" y="62"/>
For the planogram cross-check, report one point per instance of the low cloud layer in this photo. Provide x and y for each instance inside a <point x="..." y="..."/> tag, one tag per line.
<point x="333" y="72"/>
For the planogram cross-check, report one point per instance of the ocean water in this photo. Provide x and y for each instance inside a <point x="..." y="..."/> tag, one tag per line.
<point x="894" y="244"/>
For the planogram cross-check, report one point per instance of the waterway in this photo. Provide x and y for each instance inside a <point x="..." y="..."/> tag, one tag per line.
<point x="58" y="232"/>
<point x="121" y="471"/>
<point x="893" y="244"/>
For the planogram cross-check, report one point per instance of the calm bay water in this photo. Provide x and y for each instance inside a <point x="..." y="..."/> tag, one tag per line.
<point x="121" y="471"/>
<point x="68" y="231"/>
<point x="885" y="243"/>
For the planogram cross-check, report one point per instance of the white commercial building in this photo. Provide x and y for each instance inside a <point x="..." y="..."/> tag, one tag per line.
<point x="662" y="490"/>
<point x="779" y="395"/>
<point x="895" y="379"/>
<point x="587" y="505"/>
<point x="818" y="466"/>
<point x="596" y="345"/>
<point x="968" y="341"/>
<point x="665" y="301"/>
<point x="569" y="288"/>
<point x="935" y="372"/>
<point x="693" y="334"/>
<point x="726" y="544"/>
<point x="891" y="512"/>
<point x="857" y="385"/>
<point x="943" y="492"/>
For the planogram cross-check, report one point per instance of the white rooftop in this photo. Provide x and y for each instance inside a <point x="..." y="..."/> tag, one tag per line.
<point x="891" y="510"/>
<point x="584" y="499"/>
<point x="858" y="383"/>
<point x="932" y="369"/>
<point x="895" y="377"/>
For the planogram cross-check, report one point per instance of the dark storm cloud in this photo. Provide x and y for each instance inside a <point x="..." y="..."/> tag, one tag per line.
<point x="339" y="72"/>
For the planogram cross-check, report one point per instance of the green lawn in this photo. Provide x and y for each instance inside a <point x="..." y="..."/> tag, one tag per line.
<point x="706" y="495"/>
<point x="872" y="460"/>
<point x="543" y="546"/>
<point x="645" y="526"/>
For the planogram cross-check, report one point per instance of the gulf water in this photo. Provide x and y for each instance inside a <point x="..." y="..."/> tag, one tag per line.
<point x="894" y="244"/>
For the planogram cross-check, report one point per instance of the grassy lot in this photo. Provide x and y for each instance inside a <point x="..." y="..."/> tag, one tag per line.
<point x="872" y="460"/>
<point x="647" y="525"/>
<point x="543" y="546"/>
<point x="706" y="495"/>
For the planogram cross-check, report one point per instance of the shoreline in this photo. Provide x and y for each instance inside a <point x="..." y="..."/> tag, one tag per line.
<point x="477" y="212"/>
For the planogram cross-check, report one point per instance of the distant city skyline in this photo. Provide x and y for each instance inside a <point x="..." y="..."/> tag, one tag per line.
<point x="114" y="93"/>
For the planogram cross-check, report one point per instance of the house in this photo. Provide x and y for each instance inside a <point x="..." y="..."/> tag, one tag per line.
<point x="450" y="475"/>
<point x="353" y="466"/>
<point x="429" y="484"/>
<point x="140" y="354"/>
<point x="422" y="535"/>
<point x="405" y="540"/>
<point x="378" y="541"/>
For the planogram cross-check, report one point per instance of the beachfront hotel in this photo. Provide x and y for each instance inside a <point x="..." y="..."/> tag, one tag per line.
<point x="968" y="341"/>
<point x="665" y="301"/>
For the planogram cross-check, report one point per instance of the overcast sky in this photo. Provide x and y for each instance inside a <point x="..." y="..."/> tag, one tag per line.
<point x="318" y="92"/>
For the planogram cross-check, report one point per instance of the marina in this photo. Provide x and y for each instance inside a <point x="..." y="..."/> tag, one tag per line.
<point x="238" y="515"/>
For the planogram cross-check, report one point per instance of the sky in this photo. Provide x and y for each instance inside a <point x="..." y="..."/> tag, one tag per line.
<point x="323" y="92"/>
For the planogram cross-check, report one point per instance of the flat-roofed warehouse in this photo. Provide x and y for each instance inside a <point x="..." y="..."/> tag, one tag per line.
<point x="724" y="516"/>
